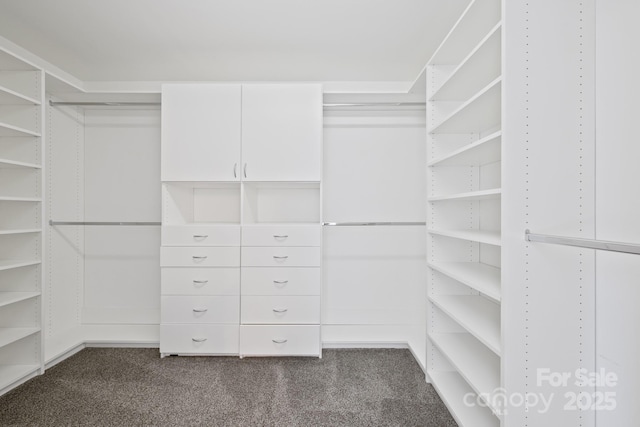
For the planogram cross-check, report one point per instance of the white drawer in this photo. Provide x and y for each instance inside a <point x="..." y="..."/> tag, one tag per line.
<point x="200" y="309"/>
<point x="295" y="340"/>
<point x="280" y="309"/>
<point x="281" y="235"/>
<point x="180" y="256"/>
<point x="200" y="281"/>
<point x="200" y="235"/>
<point x="199" y="339"/>
<point x="280" y="281"/>
<point x="280" y="257"/>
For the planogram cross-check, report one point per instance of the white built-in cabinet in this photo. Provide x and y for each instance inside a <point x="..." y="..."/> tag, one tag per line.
<point x="21" y="213"/>
<point x="241" y="236"/>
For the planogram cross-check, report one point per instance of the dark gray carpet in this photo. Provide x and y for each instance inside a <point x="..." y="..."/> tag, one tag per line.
<point x="134" y="387"/>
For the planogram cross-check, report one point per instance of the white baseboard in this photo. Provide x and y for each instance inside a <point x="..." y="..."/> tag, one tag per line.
<point x="63" y="355"/>
<point x="121" y="344"/>
<point x="365" y="344"/>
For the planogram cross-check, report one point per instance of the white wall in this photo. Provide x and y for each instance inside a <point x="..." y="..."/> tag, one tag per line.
<point x="373" y="292"/>
<point x="618" y="205"/>
<point x="122" y="183"/>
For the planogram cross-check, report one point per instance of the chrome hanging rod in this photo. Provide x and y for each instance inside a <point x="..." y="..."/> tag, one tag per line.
<point x="51" y="222"/>
<point x="603" y="245"/>
<point x="362" y="224"/>
<point x="147" y="104"/>
<point x="103" y="104"/>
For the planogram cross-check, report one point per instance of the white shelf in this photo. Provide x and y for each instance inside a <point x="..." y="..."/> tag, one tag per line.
<point x="19" y="199"/>
<point x="481" y="277"/>
<point x="480" y="66"/>
<point x="11" y="335"/>
<point x="12" y="263"/>
<point x="484" y="151"/>
<point x="493" y="193"/>
<point x="9" y="374"/>
<point x="6" y="163"/>
<point x="480" y="236"/>
<point x="478" y="114"/>
<point x="452" y="388"/>
<point x="7" y="298"/>
<point x="23" y="231"/>
<point x="10" y="130"/>
<point x="11" y="97"/>
<point x="476" y="314"/>
<point x="474" y="362"/>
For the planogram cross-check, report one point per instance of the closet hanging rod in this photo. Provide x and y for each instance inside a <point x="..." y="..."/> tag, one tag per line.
<point x="51" y="222"/>
<point x="147" y="104"/>
<point x="604" y="245"/>
<point x="103" y="104"/>
<point x="361" y="224"/>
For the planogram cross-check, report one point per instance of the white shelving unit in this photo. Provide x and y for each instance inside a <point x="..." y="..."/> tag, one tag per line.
<point x="21" y="220"/>
<point x="464" y="185"/>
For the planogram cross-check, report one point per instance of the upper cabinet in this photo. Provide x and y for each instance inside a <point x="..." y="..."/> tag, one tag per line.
<point x="201" y="132"/>
<point x="281" y="132"/>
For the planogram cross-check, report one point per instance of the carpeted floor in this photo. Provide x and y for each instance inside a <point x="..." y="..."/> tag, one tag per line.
<point x="134" y="387"/>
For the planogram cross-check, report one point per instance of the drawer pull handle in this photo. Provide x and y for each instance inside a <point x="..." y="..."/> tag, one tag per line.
<point x="280" y="236"/>
<point x="279" y="341"/>
<point x="200" y="282"/>
<point x="200" y="236"/>
<point x="280" y="282"/>
<point x="198" y="339"/>
<point x="280" y="257"/>
<point x="200" y="310"/>
<point x="279" y="310"/>
<point x="199" y="257"/>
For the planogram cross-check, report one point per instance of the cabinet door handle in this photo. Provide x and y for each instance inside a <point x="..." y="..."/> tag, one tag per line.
<point x="245" y="170"/>
<point x="198" y="339"/>
<point x="200" y="310"/>
<point x="280" y="282"/>
<point x="199" y="257"/>
<point x="279" y="341"/>
<point x="280" y="236"/>
<point x="200" y="282"/>
<point x="279" y="310"/>
<point x="280" y="257"/>
<point x="235" y="167"/>
<point x="200" y="236"/>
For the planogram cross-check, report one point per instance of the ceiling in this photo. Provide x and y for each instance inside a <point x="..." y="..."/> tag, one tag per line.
<point x="251" y="40"/>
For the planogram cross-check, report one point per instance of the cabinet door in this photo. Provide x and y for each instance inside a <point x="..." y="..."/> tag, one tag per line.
<point x="201" y="132"/>
<point x="281" y="132"/>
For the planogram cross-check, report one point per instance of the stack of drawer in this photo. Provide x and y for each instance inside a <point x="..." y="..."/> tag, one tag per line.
<point x="280" y="308"/>
<point x="200" y="300"/>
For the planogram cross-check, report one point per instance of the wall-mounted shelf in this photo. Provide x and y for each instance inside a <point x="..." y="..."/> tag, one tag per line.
<point x="11" y="335"/>
<point x="6" y="163"/>
<point x="480" y="113"/>
<point x="11" y="97"/>
<point x="7" y="298"/>
<point x="10" y="264"/>
<point x="480" y="236"/>
<point x="481" y="277"/>
<point x="11" y="130"/>
<point x="471" y="195"/>
<point x="19" y="199"/>
<point x="485" y="150"/>
<point x="452" y="388"/>
<point x="476" y="314"/>
<point x="23" y="231"/>
<point x="474" y="362"/>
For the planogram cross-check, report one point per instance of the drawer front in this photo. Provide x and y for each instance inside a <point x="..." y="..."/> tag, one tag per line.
<point x="280" y="340"/>
<point x="281" y="235"/>
<point x="200" y="235"/>
<point x="200" y="309"/>
<point x="200" y="281"/>
<point x="280" y="257"/>
<point x="199" y="257"/>
<point x="199" y="339"/>
<point x="280" y="309"/>
<point x="280" y="281"/>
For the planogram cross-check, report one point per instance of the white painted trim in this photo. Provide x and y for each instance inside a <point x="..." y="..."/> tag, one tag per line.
<point x="20" y="382"/>
<point x="122" y="344"/>
<point x="63" y="355"/>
